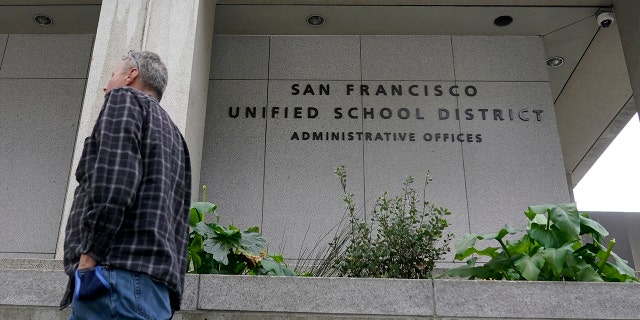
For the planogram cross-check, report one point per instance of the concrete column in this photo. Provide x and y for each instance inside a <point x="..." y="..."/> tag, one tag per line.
<point x="572" y="197"/>
<point x="627" y="13"/>
<point x="181" y="32"/>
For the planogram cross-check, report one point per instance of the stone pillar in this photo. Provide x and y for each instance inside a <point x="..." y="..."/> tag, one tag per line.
<point x="181" y="32"/>
<point x="626" y="13"/>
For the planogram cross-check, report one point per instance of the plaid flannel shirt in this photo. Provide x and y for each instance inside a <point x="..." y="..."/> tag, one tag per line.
<point x="131" y="208"/>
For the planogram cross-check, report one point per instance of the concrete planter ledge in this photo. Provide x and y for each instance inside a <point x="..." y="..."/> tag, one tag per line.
<point x="34" y="294"/>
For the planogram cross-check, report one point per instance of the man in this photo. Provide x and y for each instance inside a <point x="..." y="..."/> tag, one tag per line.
<point x="126" y="238"/>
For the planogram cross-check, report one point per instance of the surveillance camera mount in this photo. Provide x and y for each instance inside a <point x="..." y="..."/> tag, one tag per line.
<point x="605" y="18"/>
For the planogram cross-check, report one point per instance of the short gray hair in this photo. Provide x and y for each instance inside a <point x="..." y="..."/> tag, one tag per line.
<point x="152" y="71"/>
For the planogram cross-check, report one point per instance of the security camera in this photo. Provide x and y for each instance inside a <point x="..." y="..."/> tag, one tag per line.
<point x="605" y="19"/>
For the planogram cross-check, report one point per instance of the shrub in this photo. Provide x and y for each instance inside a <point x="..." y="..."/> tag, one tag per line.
<point x="551" y="249"/>
<point x="403" y="238"/>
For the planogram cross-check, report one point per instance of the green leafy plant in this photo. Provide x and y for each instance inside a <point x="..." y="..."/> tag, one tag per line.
<point x="216" y="249"/>
<point x="403" y="238"/>
<point x="550" y="249"/>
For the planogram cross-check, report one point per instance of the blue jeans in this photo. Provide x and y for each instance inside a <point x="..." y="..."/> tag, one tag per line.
<point x="132" y="295"/>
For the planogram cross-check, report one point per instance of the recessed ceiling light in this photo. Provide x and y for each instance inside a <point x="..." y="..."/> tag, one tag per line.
<point x="315" y="20"/>
<point x="555" y="61"/>
<point x="502" y="21"/>
<point x="43" y="20"/>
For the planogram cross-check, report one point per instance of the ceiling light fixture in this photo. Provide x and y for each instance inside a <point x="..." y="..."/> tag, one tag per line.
<point x="315" y="20"/>
<point x="555" y="61"/>
<point x="502" y="21"/>
<point x="43" y="20"/>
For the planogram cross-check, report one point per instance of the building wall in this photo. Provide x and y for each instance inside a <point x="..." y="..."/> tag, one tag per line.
<point x="254" y="170"/>
<point x="261" y="171"/>
<point x="622" y="228"/>
<point x="42" y="82"/>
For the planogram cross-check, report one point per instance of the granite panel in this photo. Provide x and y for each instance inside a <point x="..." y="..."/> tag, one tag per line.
<point x="34" y="313"/>
<point x="31" y="264"/>
<point x="407" y="58"/>
<point x="303" y="198"/>
<point x="26" y="255"/>
<point x="190" y="293"/>
<point x="536" y="299"/>
<point x="506" y="58"/>
<point x="39" y="124"/>
<point x="315" y="57"/>
<point x="388" y="161"/>
<point x="31" y="287"/>
<point x="236" y="315"/>
<point x="233" y="150"/>
<point x="519" y="161"/>
<point x="47" y="56"/>
<point x="353" y="296"/>
<point x="240" y="57"/>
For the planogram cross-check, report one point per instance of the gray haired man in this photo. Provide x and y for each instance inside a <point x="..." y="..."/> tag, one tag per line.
<point x="126" y="237"/>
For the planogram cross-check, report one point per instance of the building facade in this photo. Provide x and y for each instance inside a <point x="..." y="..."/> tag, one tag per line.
<point x="272" y="96"/>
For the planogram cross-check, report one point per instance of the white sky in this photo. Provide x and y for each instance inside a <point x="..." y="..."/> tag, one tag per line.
<point x="612" y="182"/>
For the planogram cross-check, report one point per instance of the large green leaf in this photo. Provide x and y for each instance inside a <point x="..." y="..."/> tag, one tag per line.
<point x="587" y="253"/>
<point x="195" y="216"/>
<point x="198" y="211"/>
<point x="274" y="268"/>
<point x="587" y="273"/>
<point x="500" y="234"/>
<point x="277" y="258"/>
<point x="464" y="246"/>
<point x="537" y="209"/>
<point x="588" y="226"/>
<point x="619" y="264"/>
<point x="524" y="245"/>
<point x="204" y="207"/>
<point x="623" y="265"/>
<point x="567" y="219"/>
<point x="196" y="261"/>
<point x="540" y="219"/>
<point x="578" y="270"/>
<point x="548" y="238"/>
<point x="218" y="241"/>
<point x="224" y="232"/>
<point x="612" y="273"/>
<point x="538" y="214"/>
<point x="470" y="272"/>
<point x="194" y="247"/>
<point x="253" y="242"/>
<point x="530" y="213"/>
<point x="529" y="267"/>
<point x="196" y="243"/>
<point x="490" y="252"/>
<point x="556" y="258"/>
<point x="501" y="267"/>
<point x="204" y="230"/>
<point x="218" y="250"/>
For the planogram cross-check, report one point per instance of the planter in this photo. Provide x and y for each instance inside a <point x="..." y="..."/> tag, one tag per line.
<point x="34" y="294"/>
<point x="391" y="298"/>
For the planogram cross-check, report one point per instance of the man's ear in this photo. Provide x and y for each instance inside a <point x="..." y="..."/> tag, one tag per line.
<point x="132" y="74"/>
